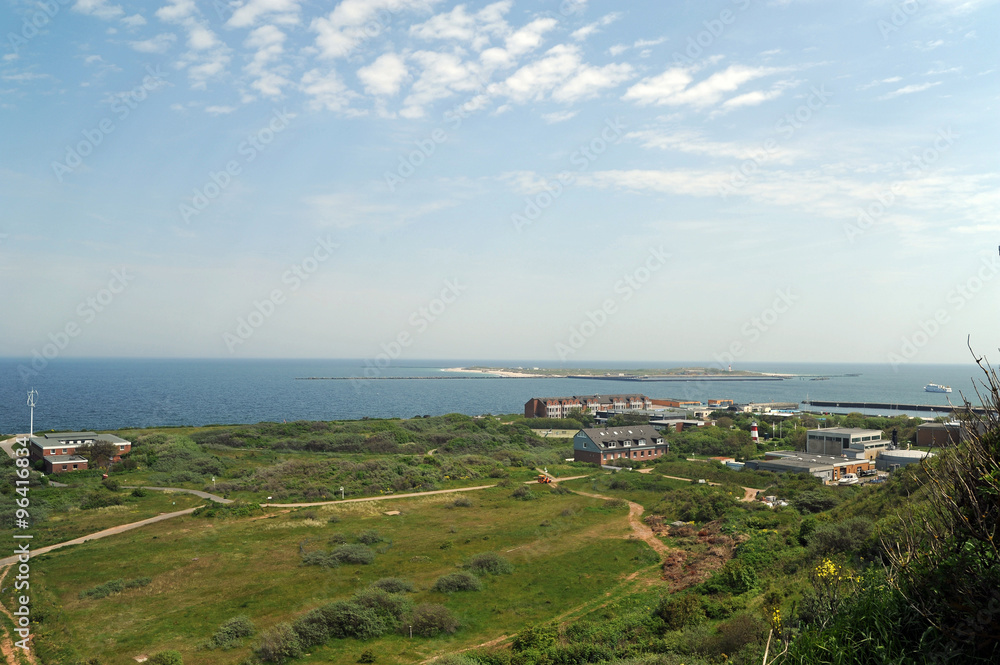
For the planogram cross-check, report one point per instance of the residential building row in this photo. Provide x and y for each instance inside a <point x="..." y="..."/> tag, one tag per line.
<point x="606" y="446"/>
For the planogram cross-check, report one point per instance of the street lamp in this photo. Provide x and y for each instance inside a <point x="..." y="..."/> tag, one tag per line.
<point x="341" y="493"/>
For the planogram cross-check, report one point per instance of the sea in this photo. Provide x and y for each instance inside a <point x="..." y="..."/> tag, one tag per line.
<point x="120" y="393"/>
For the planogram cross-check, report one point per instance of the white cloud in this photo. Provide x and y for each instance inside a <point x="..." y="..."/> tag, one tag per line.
<point x="176" y="11"/>
<point x="99" y="8"/>
<point x="442" y="75"/>
<point x="517" y="44"/>
<point x="208" y="57"/>
<point x="158" y="44"/>
<point x="558" y="116"/>
<point x="535" y="80"/>
<point x="694" y="143"/>
<point x="384" y="76"/>
<point x="269" y="44"/>
<point x="134" y="21"/>
<point x="283" y="12"/>
<point x="219" y="110"/>
<point x="590" y="81"/>
<point x="327" y="90"/>
<point x="673" y="88"/>
<point x="458" y="25"/>
<point x="592" y="28"/>
<point x="910" y="89"/>
<point x="354" y="21"/>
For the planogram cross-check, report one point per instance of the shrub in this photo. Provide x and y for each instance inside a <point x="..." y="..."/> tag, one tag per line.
<point x="559" y="489"/>
<point x="139" y="492"/>
<point x="393" y="584"/>
<point x="847" y="536"/>
<point x="305" y="515"/>
<point x="100" y="499"/>
<point x="429" y="620"/>
<point x="522" y="493"/>
<point x="311" y="628"/>
<point x="231" y="633"/>
<point x="680" y="611"/>
<point x="815" y="501"/>
<point x="111" y="484"/>
<point x="367" y="656"/>
<point x="616" y="504"/>
<point x="348" y="619"/>
<point x="391" y="607"/>
<point x="370" y="537"/>
<point x="333" y="519"/>
<point x="115" y="586"/>
<point x="278" y="644"/>
<point x="235" y="509"/>
<point x="460" y="581"/>
<point x="489" y="563"/>
<point x="461" y="502"/>
<point x="359" y="554"/>
<point x="166" y="658"/>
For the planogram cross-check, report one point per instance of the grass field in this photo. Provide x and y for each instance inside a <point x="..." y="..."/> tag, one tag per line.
<point x="567" y="551"/>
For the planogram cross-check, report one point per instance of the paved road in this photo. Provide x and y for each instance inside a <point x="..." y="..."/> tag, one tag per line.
<point x="197" y="493"/>
<point x="6" y="444"/>
<point x="101" y="534"/>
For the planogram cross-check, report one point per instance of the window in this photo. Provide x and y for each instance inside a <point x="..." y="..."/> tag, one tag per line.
<point x="642" y="442"/>
<point x="627" y="444"/>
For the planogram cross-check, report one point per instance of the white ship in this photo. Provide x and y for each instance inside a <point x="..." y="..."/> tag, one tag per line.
<point x="935" y="388"/>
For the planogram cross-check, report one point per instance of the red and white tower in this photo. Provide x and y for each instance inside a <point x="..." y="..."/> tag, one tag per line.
<point x="753" y="433"/>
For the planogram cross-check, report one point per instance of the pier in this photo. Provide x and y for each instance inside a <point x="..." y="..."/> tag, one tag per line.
<point x="936" y="408"/>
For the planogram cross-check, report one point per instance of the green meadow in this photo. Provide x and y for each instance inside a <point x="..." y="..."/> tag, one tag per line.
<point x="566" y="551"/>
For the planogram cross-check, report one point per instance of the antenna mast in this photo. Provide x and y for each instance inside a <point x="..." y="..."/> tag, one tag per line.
<point x="32" y="394"/>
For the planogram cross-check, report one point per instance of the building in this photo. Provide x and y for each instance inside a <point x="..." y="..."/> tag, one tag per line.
<point x="836" y="440"/>
<point x="720" y="403"/>
<point x="559" y="407"/>
<point x="676" y="403"/>
<point x="59" y="449"/>
<point x="891" y="460"/>
<point x="939" y="435"/>
<point x="606" y="446"/>
<point x="824" y="467"/>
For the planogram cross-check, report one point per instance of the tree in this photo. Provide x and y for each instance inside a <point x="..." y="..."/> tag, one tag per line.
<point x="626" y="419"/>
<point x="585" y="419"/>
<point x="99" y="454"/>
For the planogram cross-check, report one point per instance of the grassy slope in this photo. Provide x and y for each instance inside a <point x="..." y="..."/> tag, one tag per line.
<point x="206" y="571"/>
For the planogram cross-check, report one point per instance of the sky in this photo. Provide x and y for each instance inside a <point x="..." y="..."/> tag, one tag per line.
<point x="722" y="181"/>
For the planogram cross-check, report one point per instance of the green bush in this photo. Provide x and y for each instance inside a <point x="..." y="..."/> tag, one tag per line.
<point x="278" y="645"/>
<point x="391" y="607"/>
<point x="360" y="554"/>
<point x="848" y="536"/>
<point x="429" y="620"/>
<point x="139" y="492"/>
<point x="231" y="633"/>
<point x="679" y="611"/>
<point x="489" y="563"/>
<point x="115" y="586"/>
<point x="522" y="493"/>
<point x="111" y="484"/>
<point x="236" y="509"/>
<point x="311" y="628"/>
<point x="461" y="502"/>
<point x="393" y="584"/>
<point x="320" y="558"/>
<point x="370" y="537"/>
<point x="460" y="581"/>
<point x="166" y="658"/>
<point x="348" y="619"/>
<point x="101" y="498"/>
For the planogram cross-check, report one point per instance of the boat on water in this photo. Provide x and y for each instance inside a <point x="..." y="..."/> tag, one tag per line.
<point x="935" y="388"/>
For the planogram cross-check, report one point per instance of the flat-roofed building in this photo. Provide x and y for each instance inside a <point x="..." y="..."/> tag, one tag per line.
<point x="66" y="447"/>
<point x="835" y="440"/>
<point x="627" y="443"/>
<point x="939" y="435"/>
<point x="824" y="467"/>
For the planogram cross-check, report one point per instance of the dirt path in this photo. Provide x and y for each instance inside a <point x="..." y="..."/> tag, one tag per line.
<point x="6" y="641"/>
<point x="639" y="528"/>
<point x="102" y="534"/>
<point x="749" y="493"/>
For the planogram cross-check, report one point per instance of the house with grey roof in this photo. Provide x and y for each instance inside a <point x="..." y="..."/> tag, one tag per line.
<point x="60" y="450"/>
<point x="629" y="443"/>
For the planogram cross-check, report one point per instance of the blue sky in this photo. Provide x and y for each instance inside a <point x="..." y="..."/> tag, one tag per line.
<point x="727" y="181"/>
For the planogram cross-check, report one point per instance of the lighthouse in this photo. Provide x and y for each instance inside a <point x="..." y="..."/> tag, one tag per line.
<point x="753" y="433"/>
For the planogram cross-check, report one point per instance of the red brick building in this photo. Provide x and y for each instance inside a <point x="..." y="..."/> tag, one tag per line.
<point x="619" y="444"/>
<point x="559" y="407"/>
<point x="59" y="450"/>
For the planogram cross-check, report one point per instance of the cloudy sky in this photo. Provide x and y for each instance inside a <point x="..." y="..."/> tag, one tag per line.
<point x="710" y="180"/>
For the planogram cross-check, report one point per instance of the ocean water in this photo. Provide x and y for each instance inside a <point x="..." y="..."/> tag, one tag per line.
<point x="104" y="394"/>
